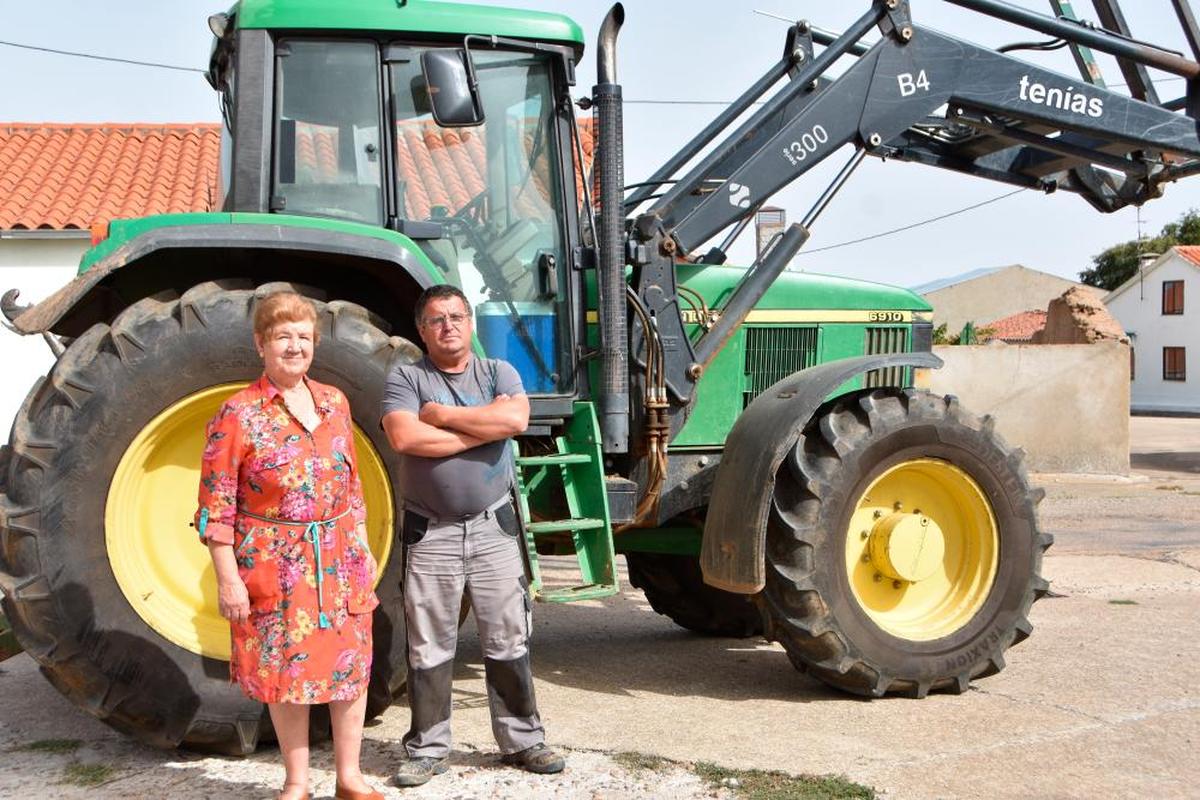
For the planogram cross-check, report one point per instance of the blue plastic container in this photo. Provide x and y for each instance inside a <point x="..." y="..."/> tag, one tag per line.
<point x="500" y="337"/>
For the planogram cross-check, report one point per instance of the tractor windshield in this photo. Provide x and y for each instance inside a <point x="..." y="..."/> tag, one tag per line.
<point x="497" y="190"/>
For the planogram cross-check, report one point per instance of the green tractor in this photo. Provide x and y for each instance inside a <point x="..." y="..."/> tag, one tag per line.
<point x="751" y="440"/>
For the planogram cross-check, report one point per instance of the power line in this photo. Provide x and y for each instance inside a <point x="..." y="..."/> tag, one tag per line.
<point x="178" y="68"/>
<point x="881" y="234"/>
<point x="95" y="57"/>
<point x="903" y="228"/>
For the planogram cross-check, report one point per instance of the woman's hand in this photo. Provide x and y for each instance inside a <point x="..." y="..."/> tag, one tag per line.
<point x="233" y="600"/>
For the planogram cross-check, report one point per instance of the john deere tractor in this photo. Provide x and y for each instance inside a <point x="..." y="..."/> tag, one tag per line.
<point x="754" y="441"/>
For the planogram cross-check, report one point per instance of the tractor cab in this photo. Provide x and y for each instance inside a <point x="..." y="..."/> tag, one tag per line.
<point x="346" y="130"/>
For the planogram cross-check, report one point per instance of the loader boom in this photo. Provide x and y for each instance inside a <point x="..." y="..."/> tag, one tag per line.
<point x="920" y="95"/>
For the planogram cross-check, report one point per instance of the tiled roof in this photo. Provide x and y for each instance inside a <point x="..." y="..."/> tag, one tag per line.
<point x="1189" y="251"/>
<point x="57" y="177"/>
<point x="1018" y="327"/>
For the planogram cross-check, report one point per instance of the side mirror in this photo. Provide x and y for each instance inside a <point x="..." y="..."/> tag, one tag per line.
<point x="452" y="91"/>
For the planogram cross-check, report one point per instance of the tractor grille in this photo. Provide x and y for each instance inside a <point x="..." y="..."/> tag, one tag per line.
<point x="886" y="340"/>
<point x="775" y="353"/>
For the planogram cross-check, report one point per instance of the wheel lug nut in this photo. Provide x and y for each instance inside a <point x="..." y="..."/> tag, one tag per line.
<point x="896" y="506"/>
<point x="865" y="534"/>
<point x="866" y="558"/>
<point x="878" y="577"/>
<point x="878" y="513"/>
<point x="896" y="584"/>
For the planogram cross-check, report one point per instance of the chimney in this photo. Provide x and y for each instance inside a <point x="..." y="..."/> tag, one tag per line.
<point x="769" y="222"/>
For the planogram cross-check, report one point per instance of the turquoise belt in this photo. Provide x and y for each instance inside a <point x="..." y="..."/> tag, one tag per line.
<point x="312" y="535"/>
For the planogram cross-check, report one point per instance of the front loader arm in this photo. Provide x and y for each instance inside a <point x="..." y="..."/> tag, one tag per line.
<point x="1004" y="119"/>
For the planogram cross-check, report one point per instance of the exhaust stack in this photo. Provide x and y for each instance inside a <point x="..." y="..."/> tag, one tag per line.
<point x="614" y="333"/>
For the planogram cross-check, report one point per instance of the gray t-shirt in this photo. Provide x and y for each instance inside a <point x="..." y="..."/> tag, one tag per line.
<point x="474" y="480"/>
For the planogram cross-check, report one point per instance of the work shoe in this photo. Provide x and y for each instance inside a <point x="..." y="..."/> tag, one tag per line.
<point x="539" y="759"/>
<point x="417" y="771"/>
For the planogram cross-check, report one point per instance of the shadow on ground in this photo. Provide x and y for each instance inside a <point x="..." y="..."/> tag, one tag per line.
<point x="1167" y="461"/>
<point x="621" y="646"/>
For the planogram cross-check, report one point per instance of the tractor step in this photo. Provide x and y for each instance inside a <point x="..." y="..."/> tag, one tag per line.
<point x="553" y="460"/>
<point x="572" y="478"/>
<point x="556" y="525"/>
<point x="571" y="594"/>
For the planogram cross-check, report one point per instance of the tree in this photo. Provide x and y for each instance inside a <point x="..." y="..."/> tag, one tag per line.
<point x="1118" y="263"/>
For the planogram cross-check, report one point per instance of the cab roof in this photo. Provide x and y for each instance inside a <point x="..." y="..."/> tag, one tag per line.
<point x="408" y="16"/>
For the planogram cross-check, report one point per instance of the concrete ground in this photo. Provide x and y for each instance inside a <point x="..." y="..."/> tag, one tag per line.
<point x="1102" y="700"/>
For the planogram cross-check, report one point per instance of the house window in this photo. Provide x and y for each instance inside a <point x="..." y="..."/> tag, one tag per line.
<point x="1172" y="297"/>
<point x="1174" y="368"/>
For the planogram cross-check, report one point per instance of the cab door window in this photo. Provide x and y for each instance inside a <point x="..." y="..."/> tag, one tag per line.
<point x="328" y="157"/>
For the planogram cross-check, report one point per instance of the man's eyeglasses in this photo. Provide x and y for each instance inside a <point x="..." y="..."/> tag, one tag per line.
<point x="453" y="320"/>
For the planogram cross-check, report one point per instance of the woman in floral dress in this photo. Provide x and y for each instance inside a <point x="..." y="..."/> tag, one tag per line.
<point x="281" y="510"/>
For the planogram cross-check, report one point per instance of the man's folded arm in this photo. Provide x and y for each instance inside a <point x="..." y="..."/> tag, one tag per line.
<point x="410" y="436"/>
<point x="502" y="418"/>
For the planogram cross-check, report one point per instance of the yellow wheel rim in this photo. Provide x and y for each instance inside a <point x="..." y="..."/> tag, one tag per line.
<point x="922" y="549"/>
<point x="160" y="565"/>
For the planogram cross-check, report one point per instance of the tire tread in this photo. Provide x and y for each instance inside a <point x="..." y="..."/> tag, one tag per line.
<point x="798" y="617"/>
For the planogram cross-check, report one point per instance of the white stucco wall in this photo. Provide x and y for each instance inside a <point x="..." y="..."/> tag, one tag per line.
<point x="37" y="267"/>
<point x="1138" y="307"/>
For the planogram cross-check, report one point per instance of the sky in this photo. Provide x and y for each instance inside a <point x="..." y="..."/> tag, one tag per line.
<point x="669" y="50"/>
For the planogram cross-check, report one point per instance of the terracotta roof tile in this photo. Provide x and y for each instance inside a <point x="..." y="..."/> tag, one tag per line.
<point x="1189" y="251"/>
<point x="60" y="176"/>
<point x="55" y="176"/>
<point x="1019" y="327"/>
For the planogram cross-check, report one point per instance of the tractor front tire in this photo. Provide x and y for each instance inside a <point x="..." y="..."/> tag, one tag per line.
<point x="105" y="582"/>
<point x="675" y="587"/>
<point x="902" y="547"/>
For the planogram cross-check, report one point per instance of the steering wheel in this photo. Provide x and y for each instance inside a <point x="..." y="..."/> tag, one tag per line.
<point x="466" y="221"/>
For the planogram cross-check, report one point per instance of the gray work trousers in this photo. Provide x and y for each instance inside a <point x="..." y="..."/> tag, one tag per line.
<point x="442" y="559"/>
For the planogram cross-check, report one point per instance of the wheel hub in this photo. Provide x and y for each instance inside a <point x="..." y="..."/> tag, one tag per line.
<point x="906" y="547"/>
<point x="922" y="549"/>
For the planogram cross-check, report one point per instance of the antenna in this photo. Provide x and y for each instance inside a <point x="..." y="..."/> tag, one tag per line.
<point x="1141" y="264"/>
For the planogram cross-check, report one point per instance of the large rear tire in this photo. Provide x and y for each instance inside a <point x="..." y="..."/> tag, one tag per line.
<point x="105" y="582"/>
<point x="903" y="553"/>
<point x="675" y="587"/>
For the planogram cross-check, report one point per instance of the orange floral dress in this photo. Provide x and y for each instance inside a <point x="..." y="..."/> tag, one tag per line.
<point x="289" y="502"/>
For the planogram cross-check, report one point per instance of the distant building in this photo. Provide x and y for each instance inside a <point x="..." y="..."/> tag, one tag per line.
<point x="990" y="294"/>
<point x="56" y="181"/>
<point x="1160" y="310"/>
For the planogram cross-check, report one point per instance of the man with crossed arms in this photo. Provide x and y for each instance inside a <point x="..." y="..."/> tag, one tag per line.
<point x="450" y="416"/>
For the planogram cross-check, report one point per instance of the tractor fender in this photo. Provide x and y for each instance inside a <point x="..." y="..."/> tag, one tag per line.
<point x="83" y="301"/>
<point x="731" y="555"/>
